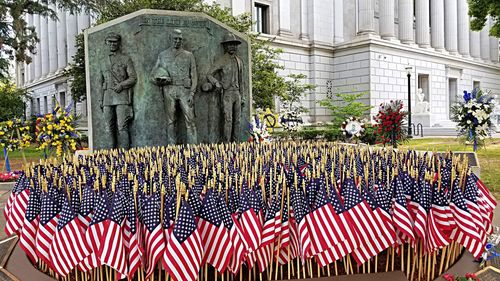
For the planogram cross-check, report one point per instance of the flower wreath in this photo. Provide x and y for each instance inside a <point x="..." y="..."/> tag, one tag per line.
<point x="353" y="127"/>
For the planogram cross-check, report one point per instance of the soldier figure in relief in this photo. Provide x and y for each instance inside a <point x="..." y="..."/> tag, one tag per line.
<point x="117" y="79"/>
<point x="226" y="76"/>
<point x="175" y="72"/>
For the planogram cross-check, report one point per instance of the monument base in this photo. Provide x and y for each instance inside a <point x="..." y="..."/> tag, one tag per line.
<point x="421" y="118"/>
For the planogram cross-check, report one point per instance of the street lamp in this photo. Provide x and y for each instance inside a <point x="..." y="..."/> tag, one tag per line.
<point x="408" y="74"/>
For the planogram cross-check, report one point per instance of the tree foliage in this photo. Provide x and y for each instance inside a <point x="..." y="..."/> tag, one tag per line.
<point x="17" y="39"/>
<point x="295" y="90"/>
<point x="266" y="83"/>
<point x="479" y="10"/>
<point x="344" y="106"/>
<point x="11" y="101"/>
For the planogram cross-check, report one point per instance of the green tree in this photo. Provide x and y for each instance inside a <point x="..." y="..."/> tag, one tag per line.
<point x="266" y="83"/>
<point x="11" y="101"/>
<point x="479" y="10"/>
<point x="17" y="39"/>
<point x="295" y="89"/>
<point x="345" y="105"/>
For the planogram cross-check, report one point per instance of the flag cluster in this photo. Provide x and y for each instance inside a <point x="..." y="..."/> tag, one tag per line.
<point x="235" y="206"/>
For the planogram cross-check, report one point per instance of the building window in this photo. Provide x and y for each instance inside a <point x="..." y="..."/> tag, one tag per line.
<point x="261" y="13"/>
<point x="37" y="109"/>
<point x="45" y="105"/>
<point x="476" y="85"/>
<point x="452" y="93"/>
<point x="62" y="99"/>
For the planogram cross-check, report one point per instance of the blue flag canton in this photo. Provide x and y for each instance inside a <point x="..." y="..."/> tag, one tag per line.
<point x="426" y="198"/>
<point x="300" y="209"/>
<point x="87" y="203"/>
<point x="351" y="194"/>
<point x="336" y="203"/>
<point x="399" y="192"/>
<point x="34" y="205"/>
<point x="67" y="215"/>
<point x="209" y="211"/>
<point x="274" y="208"/>
<point x="49" y="208"/>
<point x="185" y="224"/>
<point x="471" y="191"/>
<point x="321" y="198"/>
<point x="75" y="200"/>
<point x="233" y="200"/>
<point x="225" y="213"/>
<point x="369" y="197"/>
<point x="439" y="196"/>
<point x="20" y="184"/>
<point x="383" y="198"/>
<point x="457" y="197"/>
<point x="117" y="213"/>
<point x="102" y="209"/>
<point x="195" y="202"/>
<point x="151" y="212"/>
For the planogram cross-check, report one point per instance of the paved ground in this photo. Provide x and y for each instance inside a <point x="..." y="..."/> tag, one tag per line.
<point x="4" y="195"/>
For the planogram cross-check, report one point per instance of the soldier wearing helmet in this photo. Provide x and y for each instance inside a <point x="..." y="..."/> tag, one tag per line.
<point x="226" y="76"/>
<point x="117" y="78"/>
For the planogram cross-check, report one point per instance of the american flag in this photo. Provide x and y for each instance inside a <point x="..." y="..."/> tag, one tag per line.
<point x="437" y="218"/>
<point x="86" y="206"/>
<point x="30" y="227"/>
<point x="422" y="209"/>
<point x="401" y="215"/>
<point x="300" y="210"/>
<point x="250" y="222"/>
<point x="68" y="246"/>
<point x="95" y="232"/>
<point x="282" y="252"/>
<point x="154" y="241"/>
<point x="441" y="209"/>
<point x="16" y="210"/>
<point x="214" y="236"/>
<point x="324" y="224"/>
<point x="373" y="239"/>
<point x="268" y="233"/>
<point x="131" y="235"/>
<point x="230" y="218"/>
<point x="470" y="196"/>
<point x="184" y="249"/>
<point x="18" y="187"/>
<point x="49" y="215"/>
<point x="113" y="251"/>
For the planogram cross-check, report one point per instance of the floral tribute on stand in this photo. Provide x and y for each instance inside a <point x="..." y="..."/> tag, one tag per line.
<point x="473" y="116"/>
<point x="14" y="135"/>
<point x="353" y="128"/>
<point x="258" y="131"/>
<point x="390" y="120"/>
<point x="56" y="132"/>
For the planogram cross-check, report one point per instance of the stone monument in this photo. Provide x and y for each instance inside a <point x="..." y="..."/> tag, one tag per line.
<point x="422" y="113"/>
<point x="180" y="77"/>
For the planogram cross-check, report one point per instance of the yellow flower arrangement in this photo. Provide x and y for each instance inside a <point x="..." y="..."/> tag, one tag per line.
<point x="14" y="135"/>
<point x="56" y="132"/>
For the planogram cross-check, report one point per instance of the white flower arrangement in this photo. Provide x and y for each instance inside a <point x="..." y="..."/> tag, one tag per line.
<point x="353" y="128"/>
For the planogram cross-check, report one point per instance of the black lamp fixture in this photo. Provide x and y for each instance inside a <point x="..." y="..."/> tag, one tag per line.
<point x="408" y="74"/>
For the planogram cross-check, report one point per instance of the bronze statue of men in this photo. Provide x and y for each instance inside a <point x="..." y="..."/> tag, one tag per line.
<point x="226" y="76"/>
<point x="117" y="79"/>
<point x="175" y="72"/>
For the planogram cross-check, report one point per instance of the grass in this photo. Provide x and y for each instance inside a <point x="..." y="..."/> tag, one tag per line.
<point x="16" y="158"/>
<point x="489" y="156"/>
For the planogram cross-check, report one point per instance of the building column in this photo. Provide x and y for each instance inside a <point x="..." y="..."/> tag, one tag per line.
<point x="405" y="13"/>
<point x="28" y="67"/>
<point x="52" y="37"/>
<point x="422" y="22"/>
<point x="38" y="56"/>
<point x="71" y="32"/>
<point x="475" y="44"/>
<point x="485" y="42"/>
<point x="386" y="19"/>
<point x="284" y="18"/>
<point x="44" y="41"/>
<point x="62" y="59"/>
<point x="83" y="22"/>
<point x="494" y="49"/>
<point x="304" y="21"/>
<point x="450" y="26"/>
<point x="463" y="28"/>
<point x="366" y="17"/>
<point x="237" y="7"/>
<point x="437" y="24"/>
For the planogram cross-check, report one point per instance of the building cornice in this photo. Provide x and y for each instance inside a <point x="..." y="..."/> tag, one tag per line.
<point x="50" y="78"/>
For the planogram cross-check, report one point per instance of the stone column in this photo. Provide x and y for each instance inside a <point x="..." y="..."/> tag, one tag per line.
<point x="304" y="20"/>
<point x="284" y="18"/>
<point x="475" y="44"/>
<point x="338" y="21"/>
<point x="83" y="22"/>
<point x="422" y="22"/>
<point x="71" y="32"/>
<point x="494" y="49"/>
<point x="463" y="28"/>
<point x="62" y="58"/>
<point x="27" y="69"/>
<point x="386" y="8"/>
<point x="405" y="13"/>
<point x="38" y="56"/>
<point x="52" y="36"/>
<point x="450" y="26"/>
<point x="437" y="24"/>
<point x="366" y="14"/>
<point x="44" y="41"/>
<point x="237" y="7"/>
<point x="485" y="42"/>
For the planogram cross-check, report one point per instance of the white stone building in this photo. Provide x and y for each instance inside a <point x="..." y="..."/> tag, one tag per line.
<point x="341" y="45"/>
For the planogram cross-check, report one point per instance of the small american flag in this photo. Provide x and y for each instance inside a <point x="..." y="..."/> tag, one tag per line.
<point x="28" y="233"/>
<point x="154" y="241"/>
<point x="300" y="210"/>
<point x="16" y="210"/>
<point x="184" y="249"/>
<point x="49" y="215"/>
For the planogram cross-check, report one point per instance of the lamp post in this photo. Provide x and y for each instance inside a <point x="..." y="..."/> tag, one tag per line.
<point x="408" y="74"/>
